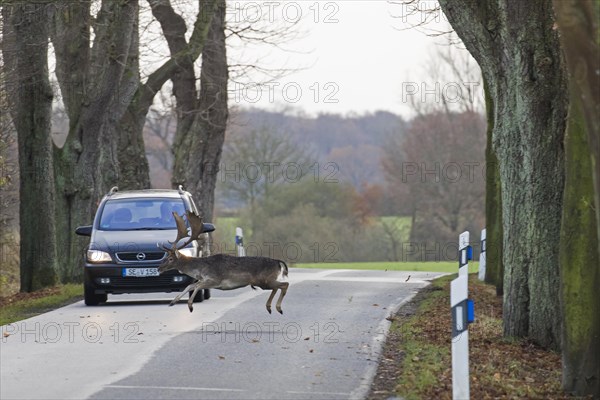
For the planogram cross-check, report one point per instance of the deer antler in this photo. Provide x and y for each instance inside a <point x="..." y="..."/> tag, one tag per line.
<point x="196" y="224"/>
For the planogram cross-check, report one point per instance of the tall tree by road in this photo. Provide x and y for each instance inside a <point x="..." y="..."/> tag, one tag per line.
<point x="92" y="80"/>
<point x="107" y="105"/>
<point x="580" y="244"/>
<point x="201" y="114"/>
<point x="519" y="54"/>
<point x="25" y="51"/>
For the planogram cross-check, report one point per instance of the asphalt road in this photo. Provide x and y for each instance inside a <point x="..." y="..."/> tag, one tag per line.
<point x="324" y="346"/>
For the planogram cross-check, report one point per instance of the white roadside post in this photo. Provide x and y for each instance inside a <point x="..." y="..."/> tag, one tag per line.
<point x="239" y="242"/>
<point x="482" y="257"/>
<point x="462" y="315"/>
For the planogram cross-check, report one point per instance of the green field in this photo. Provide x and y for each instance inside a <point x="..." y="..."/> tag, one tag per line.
<point x="226" y="228"/>
<point x="445" y="266"/>
<point x="398" y="225"/>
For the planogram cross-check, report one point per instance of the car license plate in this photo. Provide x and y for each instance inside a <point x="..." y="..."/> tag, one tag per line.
<point x="140" y="272"/>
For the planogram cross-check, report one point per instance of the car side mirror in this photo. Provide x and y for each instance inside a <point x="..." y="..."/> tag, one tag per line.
<point x="85" y="230"/>
<point x="208" y="228"/>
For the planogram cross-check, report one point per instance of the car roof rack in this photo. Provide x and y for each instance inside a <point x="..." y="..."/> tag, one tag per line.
<point x="113" y="190"/>
<point x="180" y="189"/>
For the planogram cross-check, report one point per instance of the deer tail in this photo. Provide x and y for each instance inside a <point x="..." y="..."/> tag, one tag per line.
<point x="284" y="268"/>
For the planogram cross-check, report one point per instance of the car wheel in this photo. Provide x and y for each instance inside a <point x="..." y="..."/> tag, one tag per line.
<point x="199" y="297"/>
<point x="92" y="299"/>
<point x="206" y="294"/>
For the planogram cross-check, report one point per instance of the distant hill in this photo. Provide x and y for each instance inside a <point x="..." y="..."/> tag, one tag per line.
<point x="352" y="142"/>
<point x="326" y="131"/>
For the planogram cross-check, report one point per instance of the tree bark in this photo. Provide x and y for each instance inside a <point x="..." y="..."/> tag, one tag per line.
<point x="494" y="273"/>
<point x="580" y="264"/>
<point x="26" y="53"/>
<point x="578" y="21"/>
<point x="202" y="120"/>
<point x="91" y="82"/>
<point x="579" y="255"/>
<point x="134" y="172"/>
<point x="517" y="48"/>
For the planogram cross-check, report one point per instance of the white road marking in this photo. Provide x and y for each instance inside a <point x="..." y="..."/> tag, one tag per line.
<point x="323" y="393"/>
<point x="207" y="389"/>
<point x="372" y="280"/>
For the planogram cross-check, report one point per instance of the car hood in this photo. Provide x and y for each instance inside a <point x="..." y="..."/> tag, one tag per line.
<point x="143" y="240"/>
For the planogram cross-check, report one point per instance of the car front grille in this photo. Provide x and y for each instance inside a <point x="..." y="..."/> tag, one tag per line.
<point x="149" y="281"/>
<point x="140" y="256"/>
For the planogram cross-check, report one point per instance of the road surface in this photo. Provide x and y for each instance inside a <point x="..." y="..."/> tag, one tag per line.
<point x="324" y="346"/>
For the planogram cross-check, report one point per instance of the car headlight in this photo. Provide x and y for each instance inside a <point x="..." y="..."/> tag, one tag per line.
<point x="188" y="252"/>
<point x="97" y="256"/>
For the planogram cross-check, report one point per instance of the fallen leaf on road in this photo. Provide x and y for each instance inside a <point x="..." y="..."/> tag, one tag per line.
<point x="311" y="351"/>
<point x="221" y="357"/>
<point x="6" y="334"/>
<point x="307" y="338"/>
<point x="375" y="305"/>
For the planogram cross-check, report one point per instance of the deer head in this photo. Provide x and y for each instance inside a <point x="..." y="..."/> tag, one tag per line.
<point x="173" y="254"/>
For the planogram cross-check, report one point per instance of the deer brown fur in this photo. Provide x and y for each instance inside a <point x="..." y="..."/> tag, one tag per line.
<point x="223" y="271"/>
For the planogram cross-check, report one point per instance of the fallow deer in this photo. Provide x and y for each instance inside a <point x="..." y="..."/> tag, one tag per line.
<point x="221" y="271"/>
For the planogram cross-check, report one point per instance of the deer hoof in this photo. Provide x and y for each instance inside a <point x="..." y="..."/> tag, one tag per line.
<point x="191" y="308"/>
<point x="280" y="311"/>
<point x="269" y="310"/>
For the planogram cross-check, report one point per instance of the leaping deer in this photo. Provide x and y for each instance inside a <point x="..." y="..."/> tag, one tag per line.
<point x="221" y="271"/>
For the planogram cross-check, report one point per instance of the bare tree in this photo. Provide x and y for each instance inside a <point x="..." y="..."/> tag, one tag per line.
<point x="201" y="114"/>
<point x="25" y="52"/>
<point x="96" y="93"/>
<point x="256" y="162"/>
<point x="437" y="166"/>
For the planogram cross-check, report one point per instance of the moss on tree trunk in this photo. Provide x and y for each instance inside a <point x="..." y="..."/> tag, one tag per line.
<point x="580" y="264"/>
<point x="494" y="273"/>
<point x="519" y="55"/>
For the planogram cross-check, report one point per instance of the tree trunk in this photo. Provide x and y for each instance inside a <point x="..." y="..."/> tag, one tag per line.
<point x="134" y="172"/>
<point x="199" y="142"/>
<point x="494" y="273"/>
<point x="579" y="255"/>
<point x="26" y="53"/>
<point x="580" y="265"/>
<point x="517" y="48"/>
<point x="95" y="98"/>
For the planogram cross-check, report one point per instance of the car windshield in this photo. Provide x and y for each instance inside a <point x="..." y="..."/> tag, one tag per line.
<point x="140" y="214"/>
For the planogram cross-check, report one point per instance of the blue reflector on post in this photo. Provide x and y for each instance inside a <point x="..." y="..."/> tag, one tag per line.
<point x="469" y="253"/>
<point x="470" y="311"/>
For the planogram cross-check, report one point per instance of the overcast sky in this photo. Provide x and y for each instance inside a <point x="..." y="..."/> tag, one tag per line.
<point x="356" y="56"/>
<point x="349" y="56"/>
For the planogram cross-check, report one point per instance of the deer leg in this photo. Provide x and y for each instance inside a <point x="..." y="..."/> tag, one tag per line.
<point x="270" y="300"/>
<point x="187" y="289"/>
<point x="284" y="287"/>
<point x="191" y="299"/>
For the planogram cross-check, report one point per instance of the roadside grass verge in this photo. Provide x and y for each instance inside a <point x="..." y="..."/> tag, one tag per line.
<point x="442" y="266"/>
<point x="416" y="361"/>
<point x="25" y="305"/>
